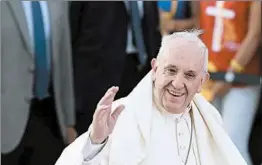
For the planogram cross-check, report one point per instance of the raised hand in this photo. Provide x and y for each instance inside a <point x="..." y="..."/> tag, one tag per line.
<point x="103" y="120"/>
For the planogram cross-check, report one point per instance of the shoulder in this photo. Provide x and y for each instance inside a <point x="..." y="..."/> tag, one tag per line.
<point x="207" y="108"/>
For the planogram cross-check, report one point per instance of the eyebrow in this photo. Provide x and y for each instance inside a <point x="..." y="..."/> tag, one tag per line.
<point x="175" y="67"/>
<point x="171" y="66"/>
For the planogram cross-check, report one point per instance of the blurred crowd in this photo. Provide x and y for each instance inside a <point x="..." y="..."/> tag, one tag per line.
<point x="59" y="58"/>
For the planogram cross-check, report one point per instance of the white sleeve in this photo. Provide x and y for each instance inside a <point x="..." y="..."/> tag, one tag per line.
<point x="91" y="150"/>
<point x="82" y="152"/>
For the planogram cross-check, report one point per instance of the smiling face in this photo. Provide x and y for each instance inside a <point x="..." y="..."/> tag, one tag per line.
<point x="178" y="74"/>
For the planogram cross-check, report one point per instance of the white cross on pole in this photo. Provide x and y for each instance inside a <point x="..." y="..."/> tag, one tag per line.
<point x="219" y="13"/>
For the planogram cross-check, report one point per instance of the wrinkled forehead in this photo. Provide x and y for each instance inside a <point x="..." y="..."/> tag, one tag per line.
<point x="189" y="47"/>
<point x="188" y="54"/>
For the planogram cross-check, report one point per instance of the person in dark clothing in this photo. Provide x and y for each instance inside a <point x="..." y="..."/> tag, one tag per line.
<point x="107" y="49"/>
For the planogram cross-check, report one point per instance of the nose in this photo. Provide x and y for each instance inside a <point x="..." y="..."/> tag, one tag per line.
<point x="178" y="81"/>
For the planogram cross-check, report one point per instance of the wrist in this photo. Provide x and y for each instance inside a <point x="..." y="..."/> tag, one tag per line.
<point x="236" y="67"/>
<point x="95" y="140"/>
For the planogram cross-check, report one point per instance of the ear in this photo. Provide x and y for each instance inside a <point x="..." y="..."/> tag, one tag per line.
<point x="205" y="78"/>
<point x="154" y="64"/>
<point x="154" y="68"/>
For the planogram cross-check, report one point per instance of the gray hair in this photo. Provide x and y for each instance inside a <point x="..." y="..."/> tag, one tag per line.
<point x="191" y="36"/>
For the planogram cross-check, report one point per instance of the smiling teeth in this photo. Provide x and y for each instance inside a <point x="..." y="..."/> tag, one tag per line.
<point x="174" y="93"/>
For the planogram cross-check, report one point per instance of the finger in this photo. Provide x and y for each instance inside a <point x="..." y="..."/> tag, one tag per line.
<point x="106" y="95"/>
<point x="109" y="96"/>
<point x="117" y="112"/>
<point x="101" y="111"/>
<point x="112" y="96"/>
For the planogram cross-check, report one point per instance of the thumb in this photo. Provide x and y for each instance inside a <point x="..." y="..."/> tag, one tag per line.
<point x="117" y="111"/>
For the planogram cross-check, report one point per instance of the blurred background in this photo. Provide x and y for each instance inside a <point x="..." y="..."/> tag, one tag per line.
<point x="59" y="58"/>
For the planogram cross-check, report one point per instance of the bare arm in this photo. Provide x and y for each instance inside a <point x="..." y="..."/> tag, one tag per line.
<point x="177" y="25"/>
<point x="252" y="40"/>
<point x="195" y="6"/>
<point x="165" y="17"/>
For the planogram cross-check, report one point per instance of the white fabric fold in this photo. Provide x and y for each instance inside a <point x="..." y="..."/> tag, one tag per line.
<point x="128" y="143"/>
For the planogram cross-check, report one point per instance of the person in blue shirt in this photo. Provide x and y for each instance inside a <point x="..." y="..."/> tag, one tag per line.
<point x="176" y="16"/>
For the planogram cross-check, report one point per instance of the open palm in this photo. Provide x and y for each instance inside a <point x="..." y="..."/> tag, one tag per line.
<point x="104" y="120"/>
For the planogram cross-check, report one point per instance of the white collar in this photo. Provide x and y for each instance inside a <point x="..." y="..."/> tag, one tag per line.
<point x="184" y="115"/>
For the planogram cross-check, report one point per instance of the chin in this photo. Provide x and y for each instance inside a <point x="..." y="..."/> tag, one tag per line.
<point x="173" y="104"/>
<point x="173" y="107"/>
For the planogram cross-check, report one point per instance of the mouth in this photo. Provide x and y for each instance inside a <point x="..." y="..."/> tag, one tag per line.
<point x="175" y="94"/>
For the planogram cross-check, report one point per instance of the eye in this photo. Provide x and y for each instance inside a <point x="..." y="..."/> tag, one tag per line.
<point x="171" y="70"/>
<point x="190" y="76"/>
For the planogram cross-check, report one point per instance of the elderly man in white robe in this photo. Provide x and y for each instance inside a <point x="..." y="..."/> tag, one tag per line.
<point x="163" y="121"/>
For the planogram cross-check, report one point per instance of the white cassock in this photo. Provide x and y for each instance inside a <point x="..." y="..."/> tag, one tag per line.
<point x="145" y="136"/>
